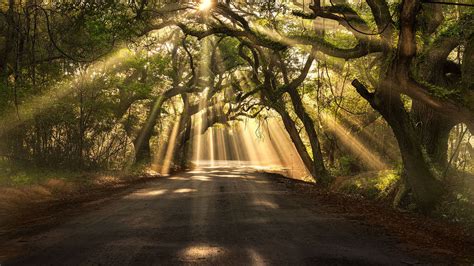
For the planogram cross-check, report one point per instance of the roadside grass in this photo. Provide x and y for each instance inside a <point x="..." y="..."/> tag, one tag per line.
<point x="24" y="188"/>
<point x="374" y="185"/>
<point x="456" y="206"/>
<point x="15" y="175"/>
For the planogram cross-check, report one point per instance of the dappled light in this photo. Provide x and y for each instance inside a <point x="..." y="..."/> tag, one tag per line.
<point x="264" y="203"/>
<point x="167" y="160"/>
<point x="56" y="92"/>
<point x="368" y="156"/>
<point x="201" y="178"/>
<point x="184" y="190"/>
<point x="221" y="131"/>
<point x="149" y="193"/>
<point x="201" y="251"/>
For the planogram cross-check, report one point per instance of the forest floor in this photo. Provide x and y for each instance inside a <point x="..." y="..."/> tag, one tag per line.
<point x="227" y="215"/>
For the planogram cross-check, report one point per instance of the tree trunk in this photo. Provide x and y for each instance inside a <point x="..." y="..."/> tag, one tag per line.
<point x="318" y="163"/>
<point x="433" y="129"/>
<point x="296" y="139"/>
<point x="142" y="141"/>
<point x="426" y="189"/>
<point x="184" y="135"/>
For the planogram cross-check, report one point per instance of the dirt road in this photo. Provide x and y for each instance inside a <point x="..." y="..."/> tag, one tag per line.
<point x="215" y="215"/>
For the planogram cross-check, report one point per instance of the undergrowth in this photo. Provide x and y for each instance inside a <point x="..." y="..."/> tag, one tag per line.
<point x="456" y="206"/>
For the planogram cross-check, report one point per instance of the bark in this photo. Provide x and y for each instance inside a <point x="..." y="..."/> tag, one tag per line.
<point x="433" y="129"/>
<point x="290" y="127"/>
<point x="184" y="135"/>
<point x="426" y="189"/>
<point x="142" y="141"/>
<point x="318" y="168"/>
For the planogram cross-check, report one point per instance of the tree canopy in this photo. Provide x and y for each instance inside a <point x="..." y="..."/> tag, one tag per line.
<point x="95" y="84"/>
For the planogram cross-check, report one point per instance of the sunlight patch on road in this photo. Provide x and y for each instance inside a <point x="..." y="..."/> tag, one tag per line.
<point x="178" y="178"/>
<point x="201" y="252"/>
<point x="234" y="176"/>
<point x="201" y="178"/>
<point x="184" y="190"/>
<point x="265" y="203"/>
<point x="256" y="258"/>
<point x="149" y="193"/>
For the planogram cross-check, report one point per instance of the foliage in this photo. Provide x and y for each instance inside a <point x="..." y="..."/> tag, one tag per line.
<point x="372" y="185"/>
<point x="96" y="84"/>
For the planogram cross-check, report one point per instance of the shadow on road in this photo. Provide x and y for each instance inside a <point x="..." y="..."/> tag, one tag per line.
<point x="221" y="215"/>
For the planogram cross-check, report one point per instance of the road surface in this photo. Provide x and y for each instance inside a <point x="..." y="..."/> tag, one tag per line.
<point x="212" y="216"/>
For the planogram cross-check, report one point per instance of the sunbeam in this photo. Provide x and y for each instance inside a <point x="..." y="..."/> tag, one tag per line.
<point x="39" y="104"/>
<point x="352" y="143"/>
<point x="168" y="160"/>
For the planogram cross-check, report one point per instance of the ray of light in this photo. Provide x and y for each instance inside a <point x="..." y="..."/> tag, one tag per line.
<point x="159" y="156"/>
<point x="221" y="144"/>
<point x="211" y="146"/>
<point x="291" y="159"/>
<point x="248" y="143"/>
<point x="237" y="154"/>
<point x="203" y="117"/>
<point x="388" y="146"/>
<point x="199" y="119"/>
<point x="41" y="103"/>
<point x="151" y="119"/>
<point x="352" y="143"/>
<point x="273" y="35"/>
<point x="171" y="148"/>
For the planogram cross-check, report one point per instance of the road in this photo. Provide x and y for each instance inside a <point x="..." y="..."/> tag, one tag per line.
<point x="212" y="216"/>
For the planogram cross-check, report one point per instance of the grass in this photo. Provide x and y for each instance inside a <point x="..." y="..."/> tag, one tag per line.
<point x="17" y="175"/>
<point x="456" y="206"/>
<point x="371" y="185"/>
<point x="23" y="175"/>
<point x="22" y="187"/>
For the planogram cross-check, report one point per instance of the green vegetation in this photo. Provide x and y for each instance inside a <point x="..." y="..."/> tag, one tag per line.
<point x="91" y="87"/>
<point x="372" y="185"/>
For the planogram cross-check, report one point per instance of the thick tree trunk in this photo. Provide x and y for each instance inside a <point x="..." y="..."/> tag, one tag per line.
<point x="318" y="163"/>
<point x="433" y="129"/>
<point x="184" y="135"/>
<point x="426" y="189"/>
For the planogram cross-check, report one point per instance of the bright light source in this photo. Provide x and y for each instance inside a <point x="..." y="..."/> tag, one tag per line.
<point x="205" y="5"/>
